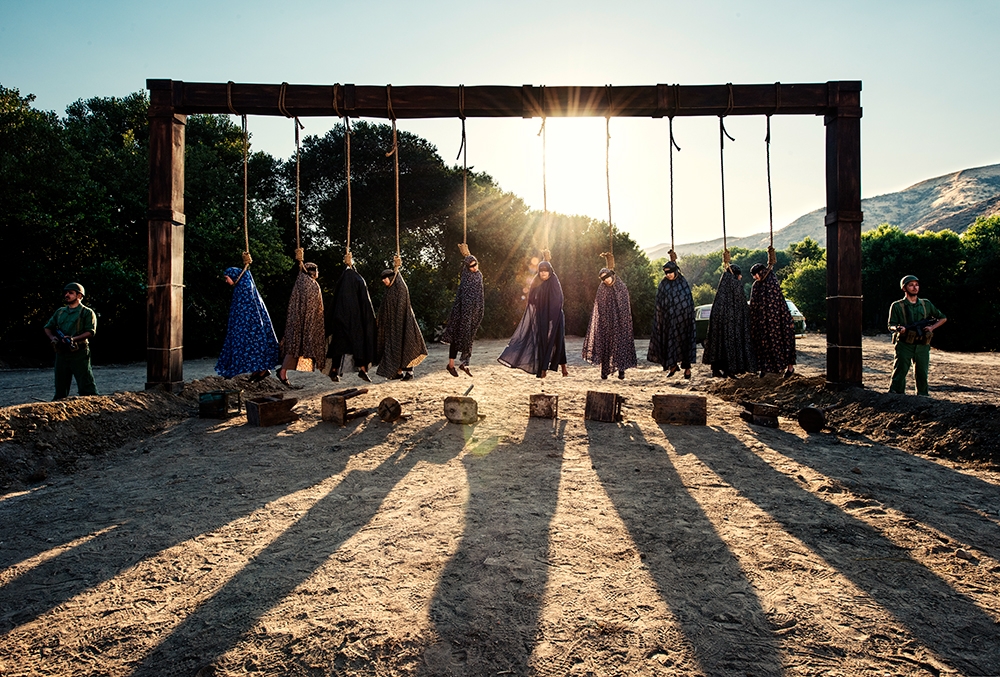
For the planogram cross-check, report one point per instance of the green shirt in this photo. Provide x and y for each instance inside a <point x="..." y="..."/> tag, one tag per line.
<point x="73" y="321"/>
<point x="902" y="312"/>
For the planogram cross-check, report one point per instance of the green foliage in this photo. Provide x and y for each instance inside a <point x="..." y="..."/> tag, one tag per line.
<point x="703" y="294"/>
<point x="805" y="285"/>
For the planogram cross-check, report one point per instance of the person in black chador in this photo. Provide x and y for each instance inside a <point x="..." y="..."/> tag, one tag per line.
<point x="466" y="315"/>
<point x="610" y="340"/>
<point x="539" y="342"/>
<point x="772" y="330"/>
<point x="673" y="337"/>
<point x="727" y="345"/>
<point x="352" y="325"/>
<point x="400" y="344"/>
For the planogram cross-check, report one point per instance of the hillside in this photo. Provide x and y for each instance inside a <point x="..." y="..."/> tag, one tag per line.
<point x="953" y="201"/>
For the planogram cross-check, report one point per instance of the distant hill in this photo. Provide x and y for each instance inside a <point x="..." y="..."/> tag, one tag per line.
<point x="953" y="202"/>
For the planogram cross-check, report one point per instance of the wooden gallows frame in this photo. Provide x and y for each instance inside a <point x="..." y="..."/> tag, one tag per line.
<point x="171" y="101"/>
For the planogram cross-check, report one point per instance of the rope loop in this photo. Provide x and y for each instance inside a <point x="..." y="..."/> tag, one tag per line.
<point x="777" y="98"/>
<point x="388" y="102"/>
<point x="336" y="106"/>
<point x="229" y="97"/>
<point x="347" y="172"/>
<point x="729" y="108"/>
<point x="281" y="100"/>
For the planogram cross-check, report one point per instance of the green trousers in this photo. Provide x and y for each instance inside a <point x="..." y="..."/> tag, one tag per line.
<point x="920" y="357"/>
<point x="74" y="365"/>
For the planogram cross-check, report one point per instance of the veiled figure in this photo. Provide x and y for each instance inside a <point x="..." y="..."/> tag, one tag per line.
<point x="727" y="345"/>
<point x="466" y="315"/>
<point x="352" y="325"/>
<point x="400" y="346"/>
<point x="610" y="341"/>
<point x="303" y="347"/>
<point x="250" y="345"/>
<point x="539" y="342"/>
<point x="772" y="330"/>
<point x="672" y="340"/>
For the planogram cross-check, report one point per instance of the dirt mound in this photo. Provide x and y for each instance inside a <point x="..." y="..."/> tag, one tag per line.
<point x="955" y="430"/>
<point x="37" y="440"/>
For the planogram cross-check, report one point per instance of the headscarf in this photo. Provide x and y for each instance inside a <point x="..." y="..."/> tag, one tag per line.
<point x="610" y="340"/>
<point x="250" y="343"/>
<point x="727" y="345"/>
<point x="352" y="321"/>
<point x="771" y="327"/>
<point x="673" y="337"/>
<point x="305" y="333"/>
<point x="400" y="344"/>
<point x="539" y="342"/>
<point x="467" y="311"/>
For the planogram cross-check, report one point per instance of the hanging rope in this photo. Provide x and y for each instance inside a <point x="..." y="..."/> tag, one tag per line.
<point x="348" y="259"/>
<point x="772" y="257"/>
<point x="673" y="144"/>
<point x="463" y="152"/>
<point x="546" y="252"/>
<point x="247" y="260"/>
<point x="723" y="134"/>
<point x="299" y="253"/>
<point x="610" y="254"/>
<point x="397" y="261"/>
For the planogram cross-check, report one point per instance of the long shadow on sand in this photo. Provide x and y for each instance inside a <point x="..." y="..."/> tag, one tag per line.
<point x="486" y="608"/>
<point x="942" y="619"/>
<point x="696" y="574"/>
<point x="138" y="510"/>
<point x="292" y="558"/>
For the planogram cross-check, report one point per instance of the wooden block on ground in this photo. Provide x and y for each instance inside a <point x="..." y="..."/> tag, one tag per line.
<point x="761" y="409"/>
<point x="333" y="407"/>
<point x="389" y="410"/>
<point x="543" y="406"/>
<point x="220" y="404"/>
<point x="680" y="409"/>
<point x="464" y="410"/>
<point x="812" y="418"/>
<point x="272" y="410"/>
<point x="605" y="407"/>
<point x="768" y="421"/>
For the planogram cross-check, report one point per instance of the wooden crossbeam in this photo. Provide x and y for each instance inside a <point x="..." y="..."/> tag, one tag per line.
<point x="487" y="101"/>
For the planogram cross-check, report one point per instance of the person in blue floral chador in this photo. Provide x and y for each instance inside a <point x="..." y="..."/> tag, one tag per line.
<point x="251" y="346"/>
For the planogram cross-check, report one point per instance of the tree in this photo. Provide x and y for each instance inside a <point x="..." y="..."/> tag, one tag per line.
<point x="805" y="285"/>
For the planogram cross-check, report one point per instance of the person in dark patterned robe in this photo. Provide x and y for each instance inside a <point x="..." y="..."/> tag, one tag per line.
<point x="400" y="346"/>
<point x="303" y="347"/>
<point x="727" y="345"/>
<point x="772" y="330"/>
<point x="610" y="340"/>
<point x="251" y="345"/>
<point x="539" y="342"/>
<point x="466" y="315"/>
<point x="352" y="325"/>
<point x="673" y="337"/>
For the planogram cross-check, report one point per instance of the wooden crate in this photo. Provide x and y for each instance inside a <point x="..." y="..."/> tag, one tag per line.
<point x="543" y="406"/>
<point x="271" y="410"/>
<point x="760" y="413"/>
<point x="220" y="404"/>
<point x="334" y="407"/>
<point x="605" y="407"/>
<point x="464" y="410"/>
<point x="680" y="409"/>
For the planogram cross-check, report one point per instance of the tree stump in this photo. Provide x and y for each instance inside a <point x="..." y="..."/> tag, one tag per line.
<point x="464" y="410"/>
<point x="543" y="406"/>
<point x="605" y="407"/>
<point x="271" y="410"/>
<point x="390" y="410"/>
<point x="680" y="409"/>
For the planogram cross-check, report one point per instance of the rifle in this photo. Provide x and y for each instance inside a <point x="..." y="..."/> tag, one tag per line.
<point x="66" y="343"/>
<point x="917" y="332"/>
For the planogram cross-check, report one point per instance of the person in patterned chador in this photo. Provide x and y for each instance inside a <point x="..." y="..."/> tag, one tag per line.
<point x="400" y="345"/>
<point x="466" y="315"/>
<point x="304" y="344"/>
<point x="727" y="345"/>
<point x="772" y="330"/>
<point x="251" y="345"/>
<point x="610" y="341"/>
<point x="673" y="337"/>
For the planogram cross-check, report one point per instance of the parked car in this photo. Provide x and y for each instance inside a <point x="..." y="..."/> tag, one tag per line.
<point x="702" y="313"/>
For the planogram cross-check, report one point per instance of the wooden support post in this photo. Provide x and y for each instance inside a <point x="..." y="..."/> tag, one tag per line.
<point x="272" y="410"/>
<point x="543" y="406"/>
<point x="165" y="292"/>
<point x="605" y="407"/>
<point x="680" y="409"/>
<point x="843" y="235"/>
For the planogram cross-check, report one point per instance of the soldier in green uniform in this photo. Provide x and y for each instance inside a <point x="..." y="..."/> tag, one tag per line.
<point x="913" y="341"/>
<point x="69" y="330"/>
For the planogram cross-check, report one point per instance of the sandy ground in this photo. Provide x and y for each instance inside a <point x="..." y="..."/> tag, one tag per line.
<point x="517" y="546"/>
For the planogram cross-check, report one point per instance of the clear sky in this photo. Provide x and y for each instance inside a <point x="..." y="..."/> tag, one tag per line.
<point x="929" y="71"/>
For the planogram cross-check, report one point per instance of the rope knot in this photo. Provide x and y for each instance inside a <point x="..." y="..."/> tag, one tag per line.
<point x="772" y="257"/>
<point x="609" y="258"/>
<point x="397" y="262"/>
<point x="673" y="255"/>
<point x="348" y="260"/>
<point x="247" y="259"/>
<point x="546" y="255"/>
<point x="463" y="249"/>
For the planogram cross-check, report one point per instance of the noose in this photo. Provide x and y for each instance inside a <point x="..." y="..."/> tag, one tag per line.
<point x="609" y="256"/>
<point x="772" y="257"/>
<point x="247" y="259"/>
<point x="546" y="253"/>
<point x="299" y="252"/>
<point x="397" y="260"/>
<point x="723" y="134"/>
<point x="673" y="144"/>
<point x="463" y="151"/>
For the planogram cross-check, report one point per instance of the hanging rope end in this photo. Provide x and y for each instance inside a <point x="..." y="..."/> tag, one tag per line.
<point x="725" y="257"/>
<point x="463" y="249"/>
<point x="673" y="255"/>
<point x="772" y="257"/>
<point x="348" y="260"/>
<point x="609" y="259"/>
<point x="247" y="259"/>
